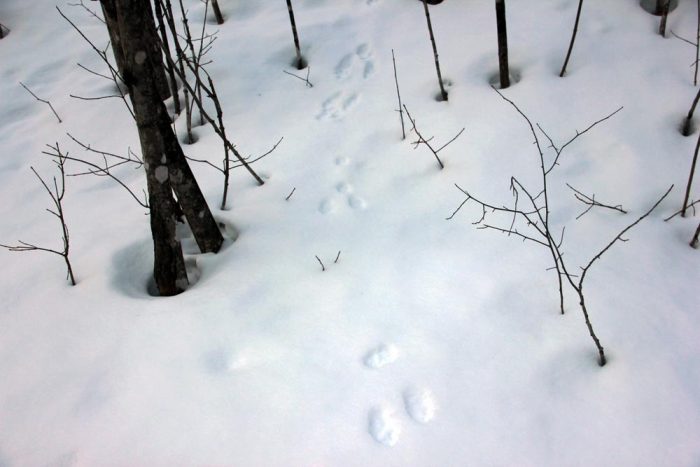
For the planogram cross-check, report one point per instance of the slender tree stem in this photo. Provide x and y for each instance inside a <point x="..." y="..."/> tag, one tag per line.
<point x="690" y="178"/>
<point x="398" y="94"/>
<point x="502" y="43"/>
<point x="443" y="93"/>
<point x="573" y="38"/>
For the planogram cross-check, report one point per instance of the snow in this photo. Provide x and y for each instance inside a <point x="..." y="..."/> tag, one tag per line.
<point x="428" y="342"/>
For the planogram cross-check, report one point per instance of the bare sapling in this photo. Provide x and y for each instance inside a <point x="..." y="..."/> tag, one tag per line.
<point x="573" y="38"/>
<point x="443" y="93"/>
<point x="687" y="128"/>
<point x="179" y="67"/>
<point x="664" y="17"/>
<point x="398" y="95"/>
<point x="163" y="33"/>
<point x="426" y="142"/>
<point x="217" y="12"/>
<point x="695" y="241"/>
<point x="215" y="126"/>
<point x="41" y="100"/>
<point x="504" y="73"/>
<point x="299" y="61"/>
<point x="690" y="179"/>
<point x="528" y="218"/>
<point x="227" y="167"/>
<point x="56" y="191"/>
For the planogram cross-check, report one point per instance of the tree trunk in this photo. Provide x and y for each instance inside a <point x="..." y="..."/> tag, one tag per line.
<point x="573" y="38"/>
<point x="217" y="12"/>
<point x="109" y="10"/>
<point x="443" y="93"/>
<point x="664" y="18"/>
<point x="502" y="43"/>
<point x="166" y="167"/>
<point x="299" y="63"/>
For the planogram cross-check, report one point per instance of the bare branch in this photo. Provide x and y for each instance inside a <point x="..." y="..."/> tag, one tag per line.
<point x="591" y="202"/>
<point x="41" y="100"/>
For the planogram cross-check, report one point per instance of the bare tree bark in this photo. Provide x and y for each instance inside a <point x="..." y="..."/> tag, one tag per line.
<point x="109" y="11"/>
<point x="443" y="93"/>
<point x="502" y="43"/>
<point x="690" y="178"/>
<point x="573" y="38"/>
<point x="664" y="17"/>
<point x="687" y="124"/>
<point x="217" y="12"/>
<point x="166" y="167"/>
<point x="695" y="242"/>
<point x="300" y="63"/>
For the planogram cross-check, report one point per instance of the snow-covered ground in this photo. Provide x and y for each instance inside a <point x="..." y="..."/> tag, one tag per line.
<point x="429" y="342"/>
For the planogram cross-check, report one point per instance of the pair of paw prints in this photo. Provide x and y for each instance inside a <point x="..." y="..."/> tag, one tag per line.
<point x="344" y="195"/>
<point x="335" y="106"/>
<point x="385" y="421"/>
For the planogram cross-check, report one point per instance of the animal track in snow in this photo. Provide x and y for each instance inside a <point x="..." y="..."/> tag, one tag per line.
<point x="384" y="427"/>
<point x="381" y="356"/>
<point x="337" y="105"/>
<point x="327" y="206"/>
<point x="344" y="66"/>
<point x="356" y="202"/>
<point x="420" y="404"/>
<point x="341" y="160"/>
<point x="344" y="188"/>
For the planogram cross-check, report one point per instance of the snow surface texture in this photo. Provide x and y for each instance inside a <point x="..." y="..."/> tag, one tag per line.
<point x="429" y="342"/>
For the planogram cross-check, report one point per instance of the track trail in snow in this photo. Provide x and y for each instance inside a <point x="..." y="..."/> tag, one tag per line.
<point x="358" y="63"/>
<point x="385" y="420"/>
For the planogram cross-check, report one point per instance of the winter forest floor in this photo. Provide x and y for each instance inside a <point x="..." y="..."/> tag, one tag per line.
<point x="429" y="342"/>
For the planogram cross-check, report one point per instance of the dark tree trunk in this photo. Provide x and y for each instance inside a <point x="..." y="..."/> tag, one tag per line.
<point x="690" y="178"/>
<point x="688" y="123"/>
<point x="695" y="241"/>
<point x="443" y="93"/>
<point x="502" y="43"/>
<point x="166" y="167"/>
<point x="217" y="12"/>
<point x="573" y="38"/>
<point x="664" y="18"/>
<point x="109" y="10"/>
<point x="299" y="63"/>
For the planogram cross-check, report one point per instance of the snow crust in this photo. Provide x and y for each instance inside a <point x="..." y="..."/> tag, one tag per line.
<point x="429" y="342"/>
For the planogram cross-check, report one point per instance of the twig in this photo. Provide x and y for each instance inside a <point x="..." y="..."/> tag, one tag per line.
<point x="323" y="268"/>
<point x="591" y="202"/>
<point x="398" y="94"/>
<point x="422" y="140"/>
<point x="337" y="258"/>
<point x="305" y="80"/>
<point x="92" y="13"/>
<point x="41" y="100"/>
<point x="290" y="194"/>
<point x="97" y="98"/>
<point x="691" y="205"/>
